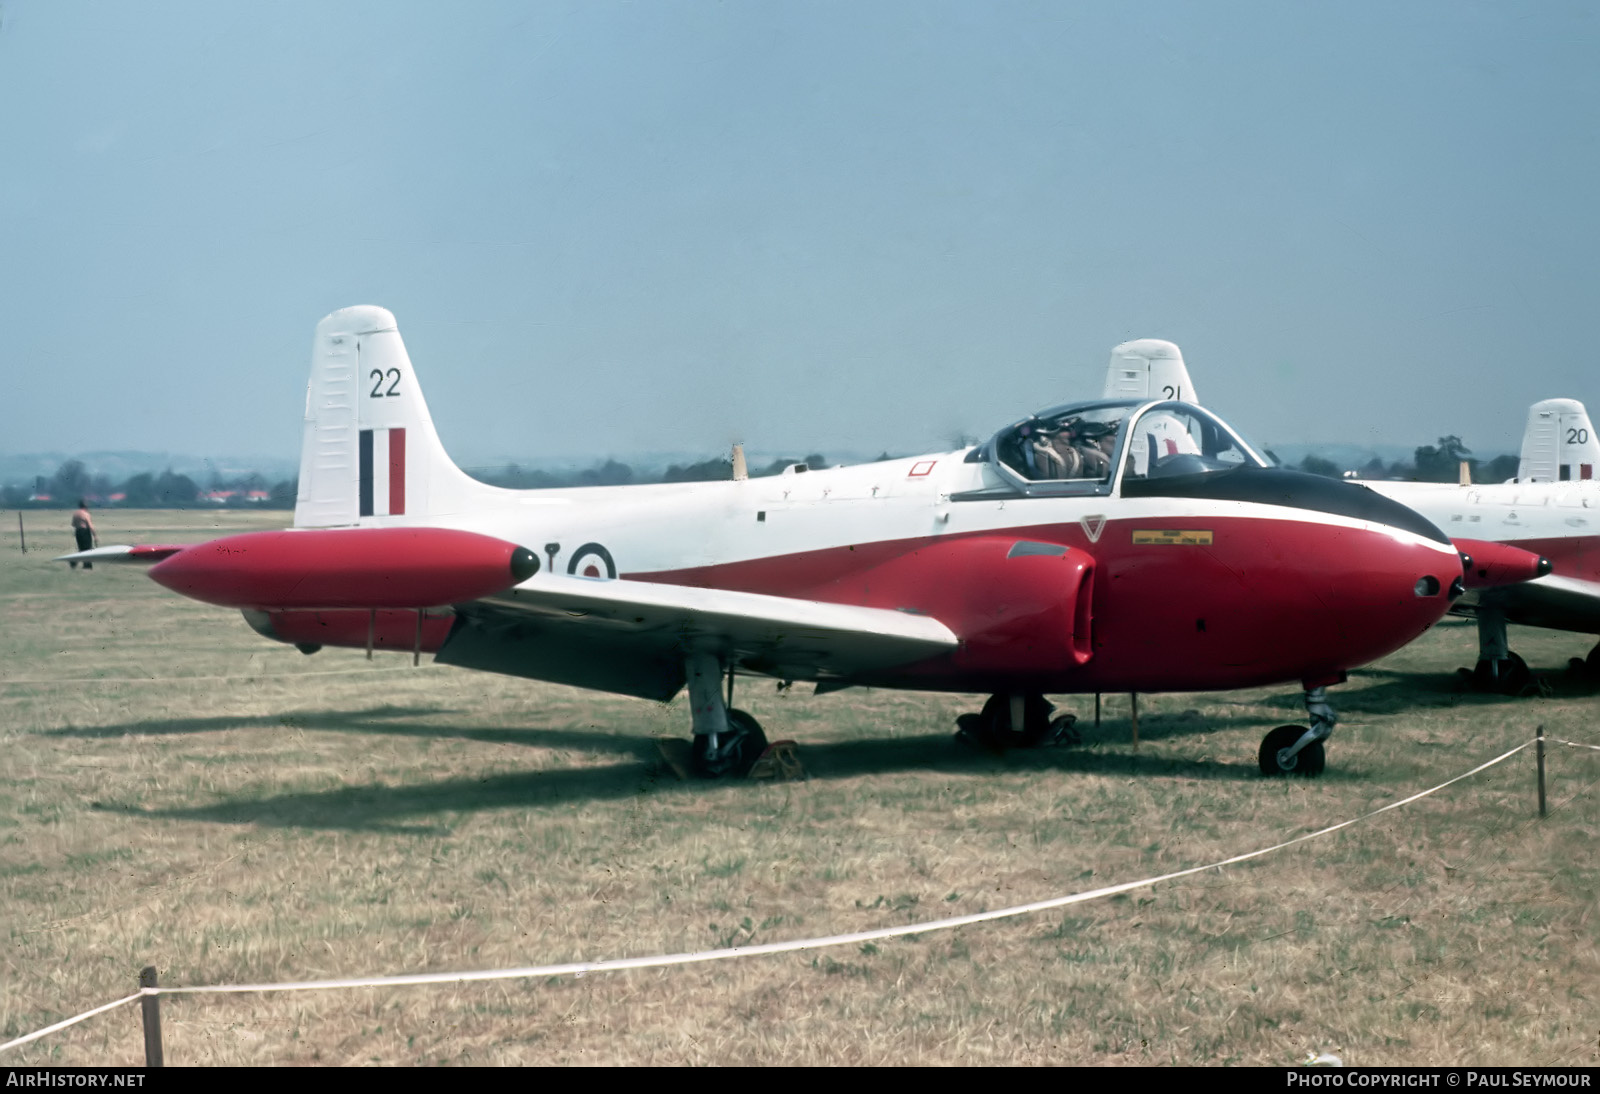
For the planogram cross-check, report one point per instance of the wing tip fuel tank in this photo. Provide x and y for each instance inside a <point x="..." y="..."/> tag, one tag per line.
<point x="374" y="568"/>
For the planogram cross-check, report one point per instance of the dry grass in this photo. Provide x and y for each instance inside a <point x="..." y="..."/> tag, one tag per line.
<point x="229" y="810"/>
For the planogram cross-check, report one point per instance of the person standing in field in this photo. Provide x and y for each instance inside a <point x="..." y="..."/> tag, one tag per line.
<point x="83" y="528"/>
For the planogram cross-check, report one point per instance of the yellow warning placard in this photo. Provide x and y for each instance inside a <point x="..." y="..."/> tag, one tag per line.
<point x="1173" y="536"/>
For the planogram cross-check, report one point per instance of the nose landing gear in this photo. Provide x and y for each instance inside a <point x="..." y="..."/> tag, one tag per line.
<point x="1296" y="750"/>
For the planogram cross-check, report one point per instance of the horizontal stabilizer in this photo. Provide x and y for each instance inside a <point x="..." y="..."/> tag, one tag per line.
<point x="145" y="553"/>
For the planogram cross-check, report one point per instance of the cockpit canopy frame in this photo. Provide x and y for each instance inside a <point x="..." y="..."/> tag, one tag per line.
<point x="1091" y="448"/>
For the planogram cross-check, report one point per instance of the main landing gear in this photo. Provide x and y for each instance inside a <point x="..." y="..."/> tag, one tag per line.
<point x="1499" y="669"/>
<point x="727" y="742"/>
<point x="1017" y="720"/>
<point x="1296" y="750"/>
<point x="1586" y="667"/>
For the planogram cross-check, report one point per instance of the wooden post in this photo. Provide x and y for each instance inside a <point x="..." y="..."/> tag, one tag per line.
<point x="21" y="532"/>
<point x="1097" y="710"/>
<point x="1133" y="698"/>
<point x="151" y="1006"/>
<point x="416" y="650"/>
<point x="372" y="630"/>
<point x="1541" y="771"/>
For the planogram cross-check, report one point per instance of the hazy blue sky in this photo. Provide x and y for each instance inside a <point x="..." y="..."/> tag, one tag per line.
<point x="612" y="227"/>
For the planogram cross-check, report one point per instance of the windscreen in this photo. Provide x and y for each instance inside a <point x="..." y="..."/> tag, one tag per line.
<point x="1174" y="438"/>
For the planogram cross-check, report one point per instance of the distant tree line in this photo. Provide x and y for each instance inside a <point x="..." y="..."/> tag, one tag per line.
<point x="146" y="490"/>
<point x="1429" y="463"/>
<point x="171" y="490"/>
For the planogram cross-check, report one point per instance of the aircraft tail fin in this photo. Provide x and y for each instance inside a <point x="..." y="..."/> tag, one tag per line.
<point x="1559" y="443"/>
<point x="368" y="450"/>
<point x="1148" y="368"/>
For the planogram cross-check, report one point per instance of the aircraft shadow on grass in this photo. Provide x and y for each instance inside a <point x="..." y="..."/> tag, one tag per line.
<point x="1392" y="691"/>
<point x="374" y="720"/>
<point x="416" y="808"/>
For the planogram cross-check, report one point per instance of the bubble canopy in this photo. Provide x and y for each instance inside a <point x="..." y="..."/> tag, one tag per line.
<point x="1091" y="448"/>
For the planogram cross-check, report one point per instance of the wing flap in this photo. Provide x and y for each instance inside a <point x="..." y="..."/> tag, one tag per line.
<point x="631" y="636"/>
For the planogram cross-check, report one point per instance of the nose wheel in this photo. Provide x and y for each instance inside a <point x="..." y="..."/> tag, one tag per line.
<point x="1277" y="759"/>
<point x="1298" y="750"/>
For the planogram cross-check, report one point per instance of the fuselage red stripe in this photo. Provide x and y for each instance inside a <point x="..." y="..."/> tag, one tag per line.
<point x="397" y="472"/>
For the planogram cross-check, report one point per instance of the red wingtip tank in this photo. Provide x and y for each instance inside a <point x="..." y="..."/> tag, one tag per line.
<point x="1485" y="565"/>
<point x="370" y="568"/>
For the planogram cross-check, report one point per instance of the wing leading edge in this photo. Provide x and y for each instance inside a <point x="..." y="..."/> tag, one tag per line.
<point x="145" y="553"/>
<point x="1559" y="603"/>
<point x="632" y="636"/>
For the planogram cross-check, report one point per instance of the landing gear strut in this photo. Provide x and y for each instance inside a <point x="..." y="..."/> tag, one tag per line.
<point x="1498" y="669"/>
<point x="1296" y="750"/>
<point x="1017" y="720"/>
<point x="727" y="742"/>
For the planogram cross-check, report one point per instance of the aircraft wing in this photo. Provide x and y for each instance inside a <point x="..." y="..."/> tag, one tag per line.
<point x="631" y="636"/>
<point x="147" y="553"/>
<point x="1556" y="602"/>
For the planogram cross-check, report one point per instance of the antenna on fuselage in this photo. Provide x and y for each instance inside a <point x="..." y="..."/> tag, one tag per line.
<point x="740" y="471"/>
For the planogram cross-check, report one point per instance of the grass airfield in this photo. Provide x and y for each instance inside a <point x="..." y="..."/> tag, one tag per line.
<point x="180" y="792"/>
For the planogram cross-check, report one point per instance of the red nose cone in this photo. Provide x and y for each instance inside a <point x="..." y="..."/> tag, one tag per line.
<point x="346" y="568"/>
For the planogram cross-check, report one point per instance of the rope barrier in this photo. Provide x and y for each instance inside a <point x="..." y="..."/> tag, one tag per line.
<point x="74" y="1020"/>
<point x="582" y="968"/>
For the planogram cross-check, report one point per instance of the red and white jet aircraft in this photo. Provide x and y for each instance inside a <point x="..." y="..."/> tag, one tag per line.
<point x="1551" y="511"/>
<point x="1551" y="508"/>
<point x="1115" y="545"/>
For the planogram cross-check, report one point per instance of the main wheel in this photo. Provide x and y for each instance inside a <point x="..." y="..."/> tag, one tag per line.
<point x="737" y="750"/>
<point x="1309" y="761"/>
<point x="993" y="728"/>
<point x="1512" y="679"/>
<point x="1063" y="731"/>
